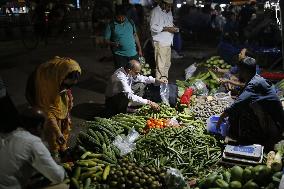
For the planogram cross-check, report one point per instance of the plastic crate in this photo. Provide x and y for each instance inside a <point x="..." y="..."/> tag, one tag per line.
<point x="211" y="126"/>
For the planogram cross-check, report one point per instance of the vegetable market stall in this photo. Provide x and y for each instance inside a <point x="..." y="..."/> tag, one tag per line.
<point x="170" y="148"/>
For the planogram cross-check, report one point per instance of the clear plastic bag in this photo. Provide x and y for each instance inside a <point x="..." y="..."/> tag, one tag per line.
<point x="142" y="60"/>
<point x="173" y="122"/>
<point x="224" y="97"/>
<point x="165" y="93"/>
<point x="126" y="144"/>
<point x="175" y="179"/>
<point x="190" y="71"/>
<point x="200" y="88"/>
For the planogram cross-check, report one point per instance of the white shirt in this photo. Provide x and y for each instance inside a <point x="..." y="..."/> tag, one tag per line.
<point x="23" y="154"/>
<point x="160" y="19"/>
<point x="121" y="82"/>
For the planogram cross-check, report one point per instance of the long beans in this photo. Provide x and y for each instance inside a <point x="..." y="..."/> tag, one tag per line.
<point x="186" y="148"/>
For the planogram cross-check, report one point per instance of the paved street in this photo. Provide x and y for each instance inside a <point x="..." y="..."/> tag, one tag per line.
<point x="16" y="63"/>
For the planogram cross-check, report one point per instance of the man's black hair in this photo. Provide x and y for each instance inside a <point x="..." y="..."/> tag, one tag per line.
<point x="120" y="10"/>
<point x="248" y="64"/>
<point x="32" y="118"/>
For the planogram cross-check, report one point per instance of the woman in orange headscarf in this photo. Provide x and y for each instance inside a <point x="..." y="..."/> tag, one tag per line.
<point x="48" y="88"/>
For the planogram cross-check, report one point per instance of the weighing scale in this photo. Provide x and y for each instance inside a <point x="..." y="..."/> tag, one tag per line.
<point x="243" y="155"/>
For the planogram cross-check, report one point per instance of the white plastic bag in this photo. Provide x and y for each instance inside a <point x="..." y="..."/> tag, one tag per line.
<point x="224" y="97"/>
<point x="175" y="179"/>
<point x="126" y="144"/>
<point x="172" y="122"/>
<point x="190" y="71"/>
<point x="200" y="88"/>
<point x="165" y="93"/>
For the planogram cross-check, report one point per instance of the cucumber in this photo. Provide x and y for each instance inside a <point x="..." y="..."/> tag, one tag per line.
<point x="87" y="183"/>
<point x="106" y="172"/>
<point x="74" y="183"/>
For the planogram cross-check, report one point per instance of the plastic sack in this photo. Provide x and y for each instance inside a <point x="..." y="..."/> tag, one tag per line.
<point x="185" y="98"/>
<point x="200" y="88"/>
<point x="224" y="97"/>
<point x="165" y="93"/>
<point x="142" y="60"/>
<point x="190" y="71"/>
<point x="126" y="144"/>
<point x="211" y="126"/>
<point x="173" y="122"/>
<point x="174" y="179"/>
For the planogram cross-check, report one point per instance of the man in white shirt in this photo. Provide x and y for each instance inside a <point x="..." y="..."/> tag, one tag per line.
<point x="162" y="31"/>
<point x="22" y="154"/>
<point x="119" y="92"/>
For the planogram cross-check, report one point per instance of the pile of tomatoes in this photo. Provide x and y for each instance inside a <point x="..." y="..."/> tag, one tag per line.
<point x="156" y="123"/>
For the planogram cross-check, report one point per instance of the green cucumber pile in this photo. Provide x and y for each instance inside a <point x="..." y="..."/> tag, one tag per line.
<point x="165" y="112"/>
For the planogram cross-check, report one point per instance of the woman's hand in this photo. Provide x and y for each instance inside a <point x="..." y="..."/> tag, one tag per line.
<point x="60" y="139"/>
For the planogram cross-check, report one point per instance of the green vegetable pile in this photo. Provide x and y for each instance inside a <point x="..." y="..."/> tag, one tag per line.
<point x="146" y="70"/>
<point x="99" y="136"/>
<point x="256" y="177"/>
<point x="185" y="148"/>
<point x="88" y="171"/>
<point x="129" y="175"/>
<point x="131" y="121"/>
<point x="217" y="61"/>
<point x="165" y="112"/>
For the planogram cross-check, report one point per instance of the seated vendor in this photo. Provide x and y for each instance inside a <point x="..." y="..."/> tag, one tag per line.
<point x="257" y="116"/>
<point x="119" y="90"/>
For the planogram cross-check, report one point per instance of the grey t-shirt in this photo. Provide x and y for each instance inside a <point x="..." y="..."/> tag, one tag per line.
<point x="21" y="155"/>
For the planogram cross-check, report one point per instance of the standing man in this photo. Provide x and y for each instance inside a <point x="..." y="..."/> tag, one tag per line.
<point x="121" y="36"/>
<point x="119" y="90"/>
<point x="162" y="31"/>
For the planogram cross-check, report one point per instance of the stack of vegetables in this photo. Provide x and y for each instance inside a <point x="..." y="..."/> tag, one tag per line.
<point x="186" y="148"/>
<point x="209" y="78"/>
<point x="99" y="136"/>
<point x="146" y="70"/>
<point x="250" y="177"/>
<point x="90" y="169"/>
<point x="164" y="112"/>
<point x="208" y="106"/>
<point x="130" y="175"/>
<point x="217" y="61"/>
<point x="138" y="122"/>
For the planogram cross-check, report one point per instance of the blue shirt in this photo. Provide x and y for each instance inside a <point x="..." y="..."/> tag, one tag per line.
<point x="261" y="91"/>
<point x="124" y="35"/>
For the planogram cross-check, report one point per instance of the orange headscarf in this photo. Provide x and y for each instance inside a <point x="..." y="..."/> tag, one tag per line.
<point x="48" y="79"/>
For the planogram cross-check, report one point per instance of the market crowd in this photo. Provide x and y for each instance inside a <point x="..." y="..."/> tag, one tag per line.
<point x="250" y="23"/>
<point x="35" y="141"/>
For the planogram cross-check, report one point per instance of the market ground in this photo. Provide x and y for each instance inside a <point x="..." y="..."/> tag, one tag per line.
<point x="16" y="63"/>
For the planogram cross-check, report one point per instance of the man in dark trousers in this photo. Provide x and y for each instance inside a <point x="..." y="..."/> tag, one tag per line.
<point x="257" y="116"/>
<point x="121" y="36"/>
